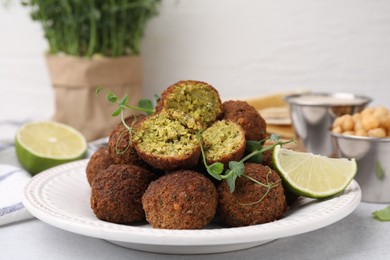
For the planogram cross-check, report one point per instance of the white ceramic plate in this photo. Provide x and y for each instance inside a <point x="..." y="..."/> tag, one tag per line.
<point x="60" y="196"/>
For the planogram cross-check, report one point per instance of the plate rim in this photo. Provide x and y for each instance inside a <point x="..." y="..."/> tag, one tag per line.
<point x="167" y="237"/>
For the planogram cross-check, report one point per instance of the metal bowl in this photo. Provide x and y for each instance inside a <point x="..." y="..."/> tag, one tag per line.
<point x="372" y="157"/>
<point x="312" y="115"/>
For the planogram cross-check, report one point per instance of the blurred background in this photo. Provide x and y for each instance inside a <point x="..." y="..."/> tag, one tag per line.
<point x="244" y="48"/>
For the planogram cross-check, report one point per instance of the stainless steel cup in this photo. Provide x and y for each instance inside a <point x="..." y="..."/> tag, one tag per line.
<point x="312" y="115"/>
<point x="372" y="157"/>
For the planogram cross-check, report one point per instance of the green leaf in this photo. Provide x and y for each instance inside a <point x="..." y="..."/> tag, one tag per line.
<point x="98" y="90"/>
<point x="155" y="97"/>
<point x="95" y="13"/>
<point x="379" y="171"/>
<point x="111" y="97"/>
<point x="237" y="168"/>
<point x="146" y="104"/>
<point x="231" y="182"/>
<point x="117" y="111"/>
<point x="383" y="214"/>
<point x="252" y="146"/>
<point x="215" y="170"/>
<point x="257" y="158"/>
<point x="275" y="138"/>
<point x="124" y="100"/>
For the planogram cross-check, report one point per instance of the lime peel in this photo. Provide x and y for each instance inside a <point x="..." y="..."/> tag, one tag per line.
<point x="44" y="144"/>
<point x="313" y="176"/>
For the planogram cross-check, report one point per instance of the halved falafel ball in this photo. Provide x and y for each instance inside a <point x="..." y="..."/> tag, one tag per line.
<point x="224" y="141"/>
<point x="116" y="193"/>
<point x="244" y="206"/>
<point x="196" y="98"/>
<point x="167" y="140"/>
<point x="120" y="146"/>
<point x="247" y="117"/>
<point x="99" y="161"/>
<point x="180" y="200"/>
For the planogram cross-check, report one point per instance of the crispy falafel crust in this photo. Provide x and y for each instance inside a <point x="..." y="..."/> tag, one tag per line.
<point x="247" y="117"/>
<point x="116" y="193"/>
<point x="180" y="200"/>
<point x="100" y="160"/>
<point x="231" y="208"/>
<point x="120" y="146"/>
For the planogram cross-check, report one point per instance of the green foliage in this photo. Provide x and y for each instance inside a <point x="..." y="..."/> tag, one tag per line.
<point x="144" y="105"/>
<point x="84" y="28"/>
<point x="237" y="169"/>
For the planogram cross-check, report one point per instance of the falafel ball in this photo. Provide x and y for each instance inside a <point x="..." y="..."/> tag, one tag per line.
<point x="267" y="158"/>
<point x="246" y="205"/>
<point x="167" y="140"/>
<point x="224" y="141"/>
<point x="198" y="99"/>
<point x="120" y="145"/>
<point x="99" y="161"/>
<point x="116" y="193"/>
<point x="180" y="200"/>
<point x="247" y="117"/>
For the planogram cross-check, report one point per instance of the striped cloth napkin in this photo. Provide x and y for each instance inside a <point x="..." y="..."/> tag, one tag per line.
<point x="12" y="181"/>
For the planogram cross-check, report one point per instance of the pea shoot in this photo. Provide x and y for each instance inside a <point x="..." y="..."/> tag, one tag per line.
<point x="144" y="105"/>
<point x="237" y="168"/>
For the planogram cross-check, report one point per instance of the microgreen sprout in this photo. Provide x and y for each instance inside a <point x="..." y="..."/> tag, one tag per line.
<point x="121" y="135"/>
<point x="237" y="168"/>
<point x="144" y="105"/>
<point x="268" y="185"/>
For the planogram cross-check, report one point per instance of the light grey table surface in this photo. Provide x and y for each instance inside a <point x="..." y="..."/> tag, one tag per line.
<point x="357" y="236"/>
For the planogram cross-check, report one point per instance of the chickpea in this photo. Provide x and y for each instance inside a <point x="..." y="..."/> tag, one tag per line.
<point x="337" y="129"/>
<point x="361" y="132"/>
<point x="347" y="124"/>
<point x="380" y="112"/>
<point x="357" y="117"/>
<point x="349" y="133"/>
<point x="358" y="121"/>
<point x="367" y="111"/>
<point x="337" y="122"/>
<point x="370" y="122"/>
<point x="377" y="132"/>
<point x="384" y="122"/>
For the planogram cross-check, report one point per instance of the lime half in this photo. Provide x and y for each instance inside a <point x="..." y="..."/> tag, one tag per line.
<point x="42" y="145"/>
<point x="313" y="176"/>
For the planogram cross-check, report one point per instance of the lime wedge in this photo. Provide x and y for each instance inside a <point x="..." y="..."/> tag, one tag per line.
<point x="313" y="176"/>
<point x="41" y="145"/>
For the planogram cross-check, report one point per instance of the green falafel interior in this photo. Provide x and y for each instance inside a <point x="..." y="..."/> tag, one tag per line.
<point x="196" y="98"/>
<point x="221" y="139"/>
<point x="167" y="133"/>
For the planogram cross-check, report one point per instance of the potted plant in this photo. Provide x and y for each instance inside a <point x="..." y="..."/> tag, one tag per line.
<point x="94" y="43"/>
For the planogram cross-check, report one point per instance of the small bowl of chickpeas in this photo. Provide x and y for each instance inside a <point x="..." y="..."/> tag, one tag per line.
<point x="312" y="114"/>
<point x="365" y="136"/>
